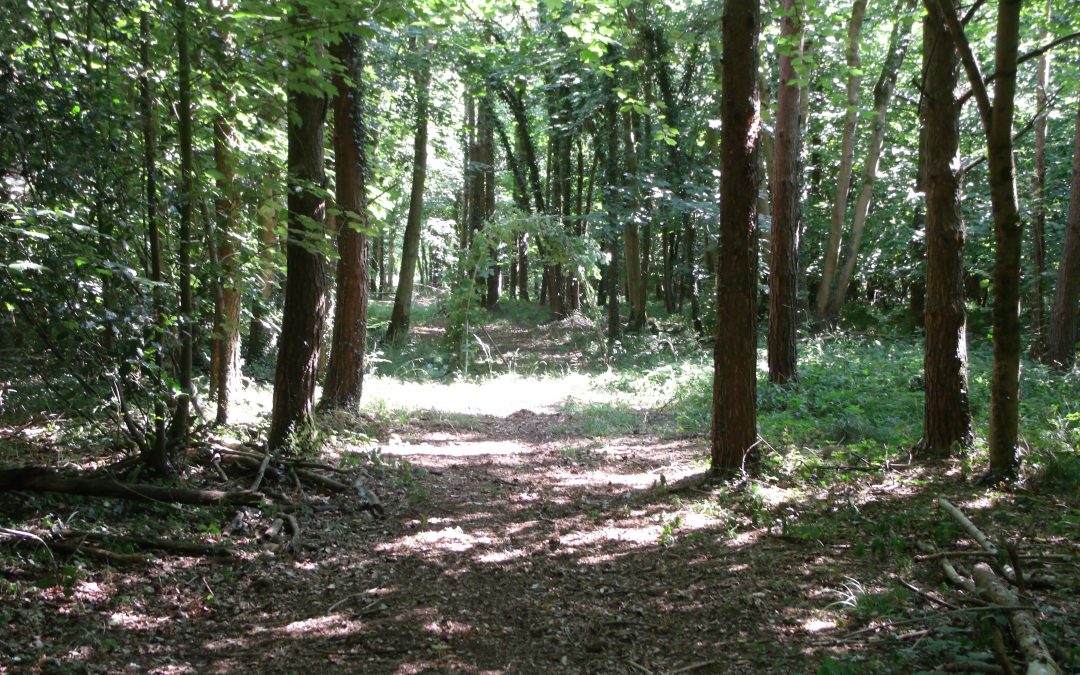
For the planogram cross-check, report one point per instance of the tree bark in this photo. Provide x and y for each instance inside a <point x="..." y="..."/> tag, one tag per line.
<point x="225" y="342"/>
<point x="637" y="293"/>
<point x="847" y="154"/>
<point x="398" y="330"/>
<point x="899" y="42"/>
<point x="734" y="405"/>
<point x="345" y="373"/>
<point x="181" y="422"/>
<point x="1037" y="348"/>
<point x="304" y="315"/>
<point x="946" y="410"/>
<point x="611" y="201"/>
<point x="156" y="457"/>
<point x="1061" y="346"/>
<point x="784" y="258"/>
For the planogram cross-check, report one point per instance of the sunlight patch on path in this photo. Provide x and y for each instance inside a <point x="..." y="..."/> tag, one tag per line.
<point x="500" y="396"/>
<point x="470" y="449"/>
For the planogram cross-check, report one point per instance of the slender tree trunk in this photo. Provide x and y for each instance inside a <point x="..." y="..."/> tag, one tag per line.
<point x="258" y="340"/>
<point x="304" y="315"/>
<point x="487" y="149"/>
<point x="635" y="284"/>
<point x="398" y="330"/>
<point x="847" y="154"/>
<point x="734" y="413"/>
<point x="611" y="200"/>
<point x="345" y="374"/>
<point x="917" y="281"/>
<point x="883" y="90"/>
<point x="181" y="422"/>
<point x="156" y="457"/>
<point x="784" y="258"/>
<point x="1061" y="346"/>
<point x="225" y="343"/>
<point x="1037" y="349"/>
<point x="947" y="413"/>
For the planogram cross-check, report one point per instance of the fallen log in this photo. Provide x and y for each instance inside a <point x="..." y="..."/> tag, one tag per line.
<point x="1023" y="624"/>
<point x="39" y="479"/>
<point x="153" y="543"/>
<point x="100" y="553"/>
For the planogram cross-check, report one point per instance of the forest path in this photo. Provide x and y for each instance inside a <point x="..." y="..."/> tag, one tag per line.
<point x="514" y="542"/>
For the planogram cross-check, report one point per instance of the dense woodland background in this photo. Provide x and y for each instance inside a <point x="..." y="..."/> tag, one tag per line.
<point x="198" y="199"/>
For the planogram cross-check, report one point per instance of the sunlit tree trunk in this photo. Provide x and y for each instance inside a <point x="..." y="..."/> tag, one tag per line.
<point x="883" y="90"/>
<point x="304" y="315"/>
<point x="734" y="405"/>
<point x="847" y="154"/>
<point x="398" y="330"/>
<point x="635" y="283"/>
<point x="225" y="342"/>
<point x="611" y="202"/>
<point x="345" y="374"/>
<point x="784" y="260"/>
<point x="947" y="413"/>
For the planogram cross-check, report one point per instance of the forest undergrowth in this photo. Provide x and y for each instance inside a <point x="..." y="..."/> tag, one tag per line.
<point x="549" y="510"/>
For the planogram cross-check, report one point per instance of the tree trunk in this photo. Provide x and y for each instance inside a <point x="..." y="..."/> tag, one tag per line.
<point x="487" y="156"/>
<point x="398" y="330"/>
<point x="304" y="315"/>
<point x="784" y="251"/>
<point x="917" y="281"/>
<point x="156" y="457"/>
<point x="899" y="42"/>
<point x="611" y="199"/>
<point x="1037" y="348"/>
<point x="847" y="153"/>
<point x="258" y="340"/>
<point x="947" y="413"/>
<point x="1061" y="346"/>
<point x="734" y="413"/>
<point x="225" y="342"/>
<point x="181" y="422"/>
<point x="345" y="373"/>
<point x="637" y="293"/>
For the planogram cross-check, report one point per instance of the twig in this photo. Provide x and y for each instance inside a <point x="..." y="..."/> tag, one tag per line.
<point x="693" y="666"/>
<point x="926" y="595"/>
<point x="259" y="475"/>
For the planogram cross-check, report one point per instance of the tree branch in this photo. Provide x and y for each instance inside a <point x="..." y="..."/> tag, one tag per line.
<point x="947" y="12"/>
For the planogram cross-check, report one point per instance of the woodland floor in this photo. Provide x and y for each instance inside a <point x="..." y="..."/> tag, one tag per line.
<point x="516" y="539"/>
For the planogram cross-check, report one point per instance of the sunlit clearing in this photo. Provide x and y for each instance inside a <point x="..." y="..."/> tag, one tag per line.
<point x="499" y="396"/>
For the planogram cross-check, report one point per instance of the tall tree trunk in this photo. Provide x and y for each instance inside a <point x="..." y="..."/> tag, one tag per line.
<point x="847" y="154"/>
<point x="611" y="199"/>
<point x="487" y="149"/>
<point x="637" y="293"/>
<point x="784" y="258"/>
<point x="304" y="315"/>
<point x="156" y="455"/>
<point x="181" y="422"/>
<point x="917" y="280"/>
<point x="899" y="42"/>
<point x="1061" y="346"/>
<point x="734" y="404"/>
<point x="1037" y="349"/>
<point x="345" y="373"/>
<point x="398" y="330"/>
<point x="225" y="342"/>
<point x="947" y="413"/>
<point x="997" y="118"/>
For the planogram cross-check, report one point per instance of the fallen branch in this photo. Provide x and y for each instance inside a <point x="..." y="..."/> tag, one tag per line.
<point x="294" y="530"/>
<point x="1023" y="624"/>
<point x="100" y="553"/>
<point x="45" y="480"/>
<point x="154" y="543"/>
<point x="259" y="474"/>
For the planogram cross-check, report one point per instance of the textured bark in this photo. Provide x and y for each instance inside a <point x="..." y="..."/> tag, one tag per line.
<point x="398" y="330"/>
<point x="784" y="259"/>
<point x="304" y="315"/>
<point x="611" y="203"/>
<point x="917" y="281"/>
<point x="1061" y="346"/>
<point x="899" y="42"/>
<point x="946" y="412"/>
<point x="345" y="373"/>
<point x="847" y="153"/>
<point x="156" y="457"/>
<point x="734" y="413"/>
<point x="181" y="422"/>
<point x="487" y="157"/>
